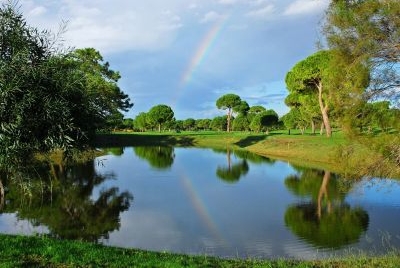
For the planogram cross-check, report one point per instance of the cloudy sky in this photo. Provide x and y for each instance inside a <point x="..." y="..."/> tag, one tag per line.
<point x="188" y="53"/>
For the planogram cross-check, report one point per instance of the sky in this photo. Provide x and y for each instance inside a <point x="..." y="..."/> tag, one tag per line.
<point x="188" y="53"/>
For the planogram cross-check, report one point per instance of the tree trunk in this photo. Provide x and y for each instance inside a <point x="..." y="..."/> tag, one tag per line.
<point x="159" y="127"/>
<point x="228" y="125"/>
<point x="313" y="127"/>
<point x="321" y="131"/>
<point x="324" y="110"/>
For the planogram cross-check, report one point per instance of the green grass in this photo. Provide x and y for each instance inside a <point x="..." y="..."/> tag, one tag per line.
<point x="20" y="251"/>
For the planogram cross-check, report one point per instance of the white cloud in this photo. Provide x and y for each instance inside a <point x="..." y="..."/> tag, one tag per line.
<point x="210" y="17"/>
<point x="109" y="27"/>
<point x="262" y="13"/>
<point x="306" y="6"/>
<point x="258" y="2"/>
<point x="228" y="2"/>
<point x="38" y="11"/>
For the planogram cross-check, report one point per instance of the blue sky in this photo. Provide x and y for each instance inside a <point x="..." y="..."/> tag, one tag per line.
<point x="188" y="53"/>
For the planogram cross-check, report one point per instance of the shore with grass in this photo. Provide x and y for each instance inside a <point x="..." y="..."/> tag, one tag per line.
<point x="21" y="251"/>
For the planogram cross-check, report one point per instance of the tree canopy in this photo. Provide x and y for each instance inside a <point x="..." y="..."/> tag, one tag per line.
<point x="229" y="102"/>
<point x="161" y="114"/>
<point x="367" y="32"/>
<point x="311" y="76"/>
<point x="50" y="99"/>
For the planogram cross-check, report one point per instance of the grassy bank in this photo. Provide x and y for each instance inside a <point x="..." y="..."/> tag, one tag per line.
<point x="337" y="154"/>
<point x="19" y="251"/>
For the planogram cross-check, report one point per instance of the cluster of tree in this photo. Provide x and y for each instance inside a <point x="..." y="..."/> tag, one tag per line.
<point x="354" y="83"/>
<point x="50" y="98"/>
<point x="161" y="117"/>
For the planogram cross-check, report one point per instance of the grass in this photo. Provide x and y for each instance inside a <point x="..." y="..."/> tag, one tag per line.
<point x="20" y="251"/>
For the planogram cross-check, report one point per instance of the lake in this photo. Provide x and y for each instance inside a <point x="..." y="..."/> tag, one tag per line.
<point x="226" y="203"/>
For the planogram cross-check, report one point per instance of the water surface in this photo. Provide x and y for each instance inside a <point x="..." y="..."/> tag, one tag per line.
<point x="201" y="201"/>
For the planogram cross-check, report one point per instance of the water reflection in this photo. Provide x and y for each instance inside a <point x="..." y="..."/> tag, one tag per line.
<point x="59" y="196"/>
<point x="272" y="209"/>
<point x="232" y="172"/>
<point x="159" y="157"/>
<point x="324" y="219"/>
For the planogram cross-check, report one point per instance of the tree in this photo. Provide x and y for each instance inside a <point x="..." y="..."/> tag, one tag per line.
<point x="161" y="114"/>
<point x="229" y="102"/>
<point x="141" y="121"/>
<point x="219" y="123"/>
<point x="365" y="35"/>
<point x="203" y="124"/>
<point x="49" y="99"/>
<point x="104" y="99"/>
<point x="37" y="89"/>
<point x="311" y="76"/>
<point x="293" y="119"/>
<point x="240" y="123"/>
<point x="242" y="109"/>
<point x="367" y="32"/>
<point x="263" y="120"/>
<point x="189" y="124"/>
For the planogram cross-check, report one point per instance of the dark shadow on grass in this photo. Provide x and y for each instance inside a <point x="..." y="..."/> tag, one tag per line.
<point x="126" y="140"/>
<point x="250" y="140"/>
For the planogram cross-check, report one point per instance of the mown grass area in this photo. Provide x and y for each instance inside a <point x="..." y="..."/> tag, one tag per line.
<point x="20" y="251"/>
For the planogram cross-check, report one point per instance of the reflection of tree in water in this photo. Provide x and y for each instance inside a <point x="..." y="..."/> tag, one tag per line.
<point x="325" y="220"/>
<point x="61" y="199"/>
<point x="246" y="155"/>
<point x="160" y="157"/>
<point x="117" y="151"/>
<point x="232" y="172"/>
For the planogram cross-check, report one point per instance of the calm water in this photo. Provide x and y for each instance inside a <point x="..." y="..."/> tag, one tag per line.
<point x="200" y="201"/>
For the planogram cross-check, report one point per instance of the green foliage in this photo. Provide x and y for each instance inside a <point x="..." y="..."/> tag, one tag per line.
<point x="141" y="122"/>
<point x="103" y="98"/>
<point x="308" y="84"/>
<point x="50" y="99"/>
<point x="161" y="114"/>
<point x="367" y="33"/>
<point x="242" y="109"/>
<point x="294" y="119"/>
<point x="203" y="124"/>
<point x="230" y="102"/>
<point x="263" y="120"/>
<point x="240" y="123"/>
<point x="219" y="123"/>
<point x="189" y="124"/>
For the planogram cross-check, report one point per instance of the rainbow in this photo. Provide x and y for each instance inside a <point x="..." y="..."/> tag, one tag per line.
<point x="201" y="51"/>
<point x="200" y="208"/>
